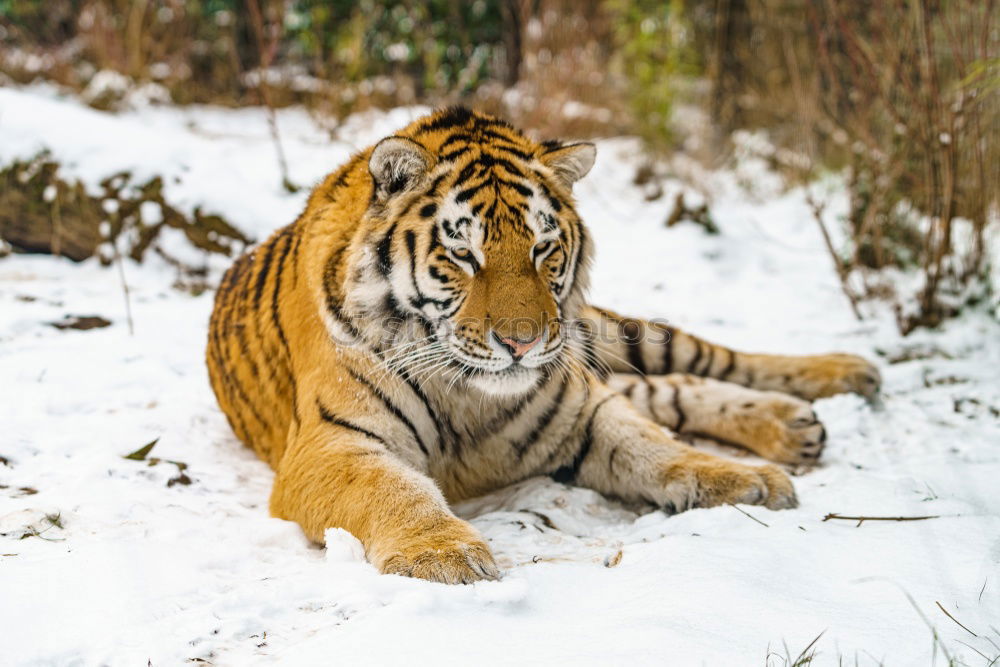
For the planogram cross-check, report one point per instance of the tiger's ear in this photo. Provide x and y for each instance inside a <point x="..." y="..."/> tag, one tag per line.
<point x="397" y="164"/>
<point x="570" y="162"/>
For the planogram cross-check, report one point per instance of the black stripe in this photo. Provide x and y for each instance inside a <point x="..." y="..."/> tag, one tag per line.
<point x="567" y="474"/>
<point x="730" y="366"/>
<point x="394" y="320"/>
<point x="275" y="312"/>
<point x="489" y="161"/>
<point x="404" y="374"/>
<point x="340" y="182"/>
<point x="468" y="193"/>
<point x="331" y="301"/>
<point x="553" y="201"/>
<point x="629" y="390"/>
<point x="711" y="358"/>
<point x="280" y="381"/>
<point x="681" y="417"/>
<point x="491" y="134"/>
<point x="500" y="422"/>
<point x="490" y="213"/>
<point x="420" y="301"/>
<point x="227" y="373"/>
<point x="276" y="317"/>
<point x="409" y="205"/>
<point x="450" y="117"/>
<point x="437" y="275"/>
<point x="524" y="445"/>
<point x="295" y="259"/>
<point x="559" y="450"/>
<point x="241" y="393"/>
<point x="391" y="407"/>
<point x="265" y="269"/>
<point x="668" y="350"/>
<point x="458" y="136"/>
<point x="563" y="265"/>
<point x="384" y="252"/>
<point x="697" y="355"/>
<point x="435" y="184"/>
<point x="344" y="174"/>
<point x="513" y="151"/>
<point x="334" y="308"/>
<point x="233" y="416"/>
<point x="522" y="189"/>
<point x="451" y="156"/>
<point x="650" y="390"/>
<point x="465" y="174"/>
<point x="578" y="249"/>
<point x="411" y="248"/>
<point x="330" y="418"/>
<point x="237" y="391"/>
<point x="241" y="338"/>
<point x="435" y="241"/>
<point x="634" y="344"/>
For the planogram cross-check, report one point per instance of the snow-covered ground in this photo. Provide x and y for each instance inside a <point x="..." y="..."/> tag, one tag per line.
<point x="106" y="560"/>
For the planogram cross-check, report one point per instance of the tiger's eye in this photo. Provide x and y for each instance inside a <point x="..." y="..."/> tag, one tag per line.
<point x="542" y="248"/>
<point x="463" y="254"/>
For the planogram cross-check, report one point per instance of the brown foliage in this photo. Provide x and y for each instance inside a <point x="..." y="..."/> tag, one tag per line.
<point x="41" y="212"/>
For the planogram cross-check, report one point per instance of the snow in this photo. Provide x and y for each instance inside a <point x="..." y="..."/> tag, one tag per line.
<point x="120" y="568"/>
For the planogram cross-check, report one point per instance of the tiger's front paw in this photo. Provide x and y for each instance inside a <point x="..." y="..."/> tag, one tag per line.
<point x="830" y="374"/>
<point x="451" y="553"/>
<point x="781" y="428"/>
<point x="701" y="480"/>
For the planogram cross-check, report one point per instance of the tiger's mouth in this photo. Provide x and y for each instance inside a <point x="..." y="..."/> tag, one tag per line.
<point x="503" y="374"/>
<point x="511" y="381"/>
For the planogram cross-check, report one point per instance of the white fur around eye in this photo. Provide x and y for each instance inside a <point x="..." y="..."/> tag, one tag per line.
<point x="465" y="258"/>
<point x="471" y="239"/>
<point x="542" y="249"/>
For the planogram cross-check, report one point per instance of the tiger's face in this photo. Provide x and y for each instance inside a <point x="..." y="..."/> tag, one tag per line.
<point x="478" y="241"/>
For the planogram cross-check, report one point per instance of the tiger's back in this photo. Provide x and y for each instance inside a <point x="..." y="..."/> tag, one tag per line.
<point x="248" y="361"/>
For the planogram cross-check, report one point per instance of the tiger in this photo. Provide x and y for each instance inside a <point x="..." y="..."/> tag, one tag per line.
<point x="421" y="335"/>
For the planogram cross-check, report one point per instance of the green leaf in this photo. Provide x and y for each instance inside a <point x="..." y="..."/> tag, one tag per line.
<point x="141" y="453"/>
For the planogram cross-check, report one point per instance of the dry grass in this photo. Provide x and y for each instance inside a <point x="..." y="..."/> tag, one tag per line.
<point x="905" y="96"/>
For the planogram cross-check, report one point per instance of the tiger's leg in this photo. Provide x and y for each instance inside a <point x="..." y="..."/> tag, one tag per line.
<point x="629" y="345"/>
<point x="619" y="452"/>
<point x="776" y="426"/>
<point x="337" y="474"/>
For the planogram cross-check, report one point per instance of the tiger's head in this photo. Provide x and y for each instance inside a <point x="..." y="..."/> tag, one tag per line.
<point x="471" y="232"/>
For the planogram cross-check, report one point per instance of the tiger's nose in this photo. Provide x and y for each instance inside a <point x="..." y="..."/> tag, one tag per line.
<point x="516" y="346"/>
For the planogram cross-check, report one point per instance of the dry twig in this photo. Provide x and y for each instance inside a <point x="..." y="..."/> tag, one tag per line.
<point x="838" y="265"/>
<point x="862" y="519"/>
<point x="267" y="51"/>
<point x="747" y="514"/>
<point x="121" y="276"/>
